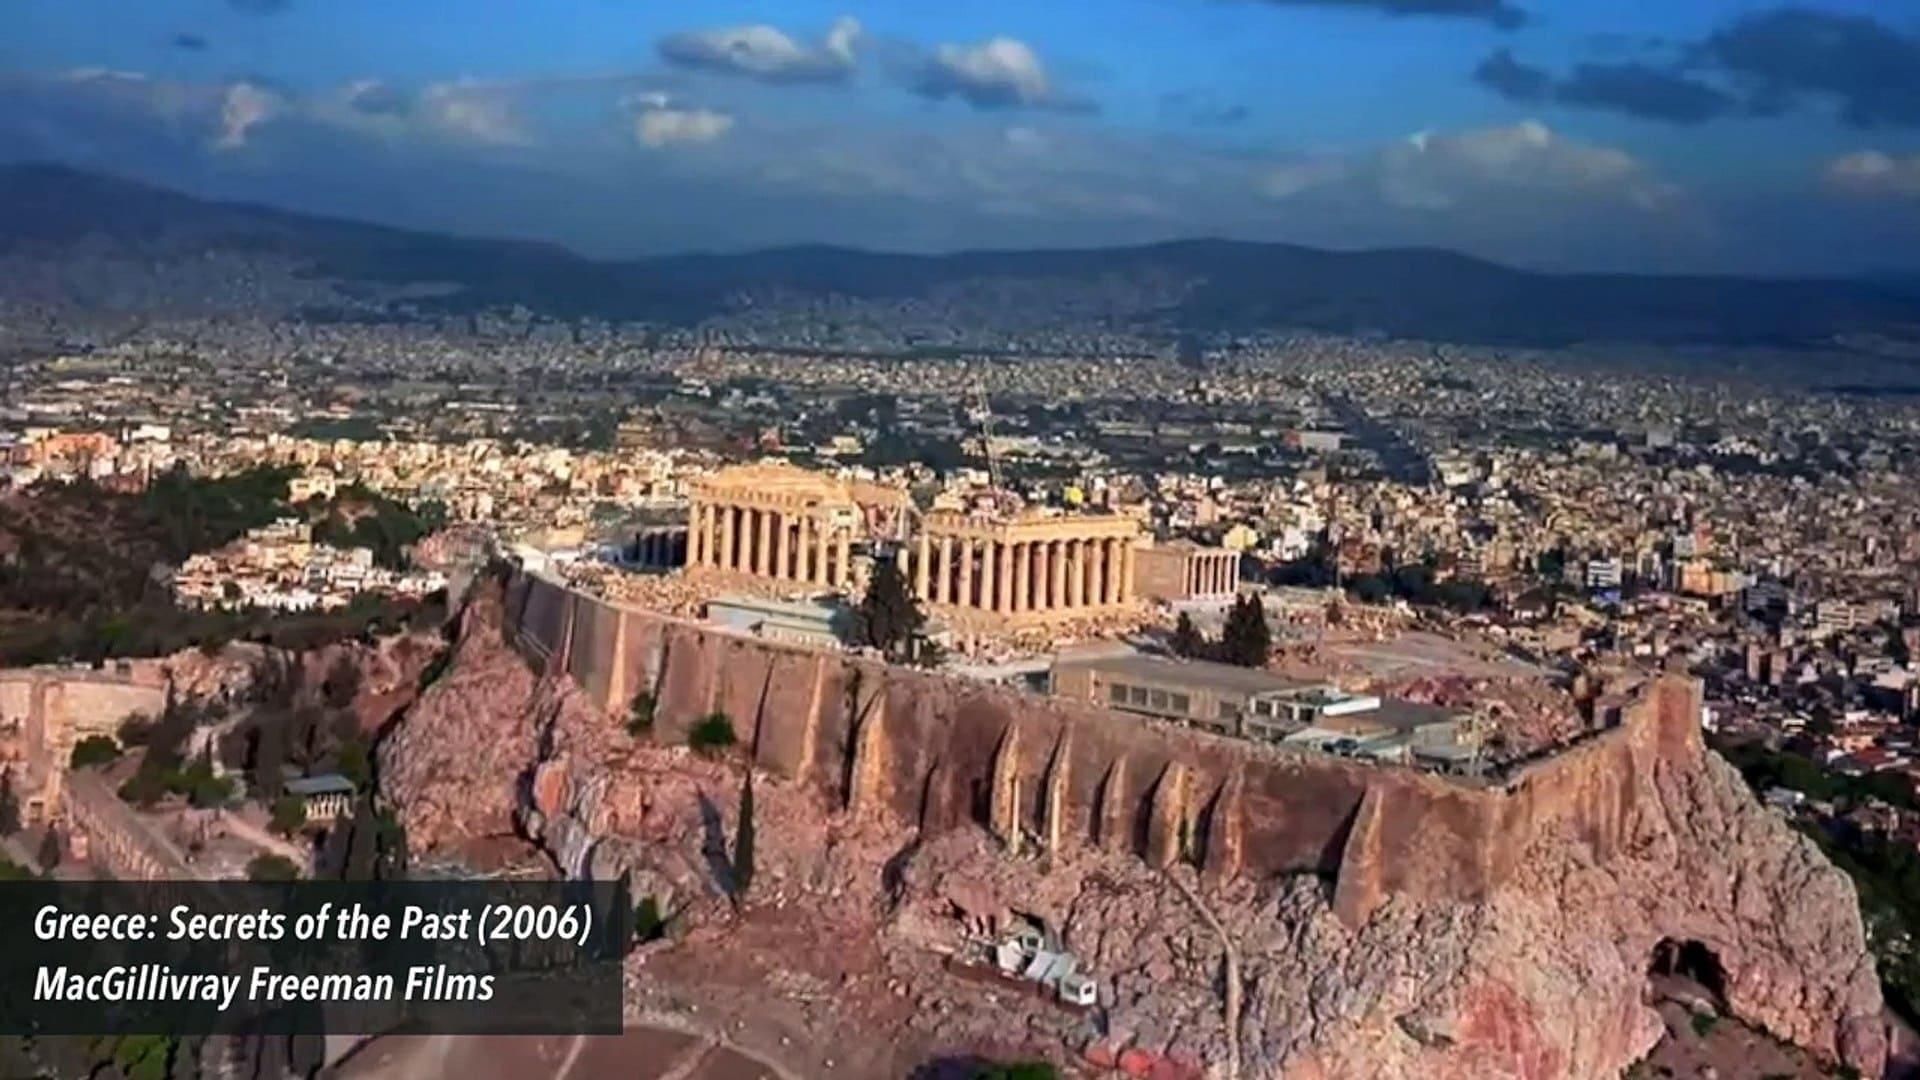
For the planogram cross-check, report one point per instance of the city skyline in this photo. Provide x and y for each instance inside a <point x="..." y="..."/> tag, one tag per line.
<point x="1767" y="140"/>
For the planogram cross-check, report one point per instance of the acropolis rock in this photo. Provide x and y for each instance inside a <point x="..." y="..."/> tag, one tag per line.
<point x="1389" y="923"/>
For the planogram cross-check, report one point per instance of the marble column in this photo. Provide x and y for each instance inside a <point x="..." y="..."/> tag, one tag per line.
<point x="695" y="511"/>
<point x="822" y="573"/>
<point x="1126" y="571"/>
<point x="726" y="537"/>
<point x="803" y="550"/>
<point x="922" y="570"/>
<point x="781" y="550"/>
<point x="987" y="580"/>
<point x="1097" y="574"/>
<point x="964" y="595"/>
<point x="762" y="543"/>
<point x="1076" y="557"/>
<point x="1003" y="595"/>
<point x="844" y="565"/>
<point x="942" y="568"/>
<point x="1056" y="574"/>
<point x="1022" y="576"/>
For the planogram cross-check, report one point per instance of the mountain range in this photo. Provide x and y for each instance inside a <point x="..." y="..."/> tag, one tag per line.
<point x="1184" y="288"/>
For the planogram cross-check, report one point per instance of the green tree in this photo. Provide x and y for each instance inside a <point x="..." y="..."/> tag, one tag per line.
<point x="395" y="854"/>
<point x="289" y="815"/>
<point x="272" y="868"/>
<point x="1187" y="640"/>
<point x="270" y="758"/>
<point x="712" y="736"/>
<point x="143" y="1057"/>
<point x="353" y="762"/>
<point x="144" y="788"/>
<point x="648" y="923"/>
<point x="640" y="715"/>
<point x="743" y="841"/>
<point x="363" y="843"/>
<point x="1551" y="564"/>
<point x="94" y="750"/>
<point x="9" y="805"/>
<point x="199" y="784"/>
<point x="1370" y="588"/>
<point x="1247" y="641"/>
<point x="890" y="617"/>
<point x="134" y="730"/>
<point x="51" y="850"/>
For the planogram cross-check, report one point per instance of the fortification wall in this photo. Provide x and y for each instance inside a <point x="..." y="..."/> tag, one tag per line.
<point x="53" y="708"/>
<point x="938" y="752"/>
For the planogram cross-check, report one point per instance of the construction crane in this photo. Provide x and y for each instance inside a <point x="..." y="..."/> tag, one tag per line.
<point x="985" y="409"/>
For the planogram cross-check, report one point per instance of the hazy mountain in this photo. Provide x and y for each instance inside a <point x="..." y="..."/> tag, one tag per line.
<point x="1196" y="286"/>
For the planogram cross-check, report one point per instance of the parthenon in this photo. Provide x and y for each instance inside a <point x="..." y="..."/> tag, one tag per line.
<point x="777" y="525"/>
<point x="785" y="524"/>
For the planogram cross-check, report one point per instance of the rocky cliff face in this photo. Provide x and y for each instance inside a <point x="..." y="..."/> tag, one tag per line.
<point x="376" y="680"/>
<point x="453" y="767"/>
<point x="1546" y="975"/>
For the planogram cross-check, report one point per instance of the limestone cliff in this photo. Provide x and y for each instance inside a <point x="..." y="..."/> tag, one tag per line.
<point x="452" y="767"/>
<point x="1441" y="931"/>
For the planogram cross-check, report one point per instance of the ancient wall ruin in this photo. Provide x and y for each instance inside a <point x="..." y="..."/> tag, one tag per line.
<point x="45" y="711"/>
<point x="938" y="752"/>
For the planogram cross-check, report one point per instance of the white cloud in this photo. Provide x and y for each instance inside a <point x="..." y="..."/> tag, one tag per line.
<point x="101" y="74"/>
<point x="1290" y="179"/>
<point x="473" y="110"/>
<point x="767" y="53"/>
<point x="1000" y="73"/>
<point x="659" y="121"/>
<point x="1876" y="174"/>
<point x="1440" y="171"/>
<point x="244" y="107"/>
<point x="658" y="127"/>
<point x="1027" y="140"/>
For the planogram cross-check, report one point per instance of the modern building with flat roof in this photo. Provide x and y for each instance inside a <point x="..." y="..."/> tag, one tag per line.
<point x="797" y="622"/>
<point x="1254" y="704"/>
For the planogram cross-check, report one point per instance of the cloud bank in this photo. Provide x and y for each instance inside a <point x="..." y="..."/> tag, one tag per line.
<point x="766" y="53"/>
<point x="1760" y="64"/>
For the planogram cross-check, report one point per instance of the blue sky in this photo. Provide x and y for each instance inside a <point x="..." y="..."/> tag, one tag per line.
<point x="1732" y="135"/>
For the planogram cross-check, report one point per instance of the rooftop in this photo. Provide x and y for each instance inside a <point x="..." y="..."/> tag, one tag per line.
<point x="324" y="784"/>
<point x="1189" y="673"/>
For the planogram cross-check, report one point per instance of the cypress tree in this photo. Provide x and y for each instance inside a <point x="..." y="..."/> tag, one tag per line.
<point x="1247" y="641"/>
<point x="889" y="614"/>
<point x="1187" y="641"/>
<point x="9" y="805"/>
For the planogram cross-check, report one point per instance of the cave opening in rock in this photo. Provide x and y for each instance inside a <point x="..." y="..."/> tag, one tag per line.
<point x="1690" y="961"/>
